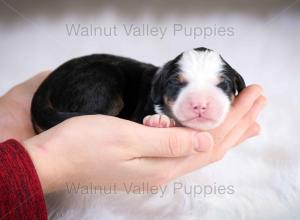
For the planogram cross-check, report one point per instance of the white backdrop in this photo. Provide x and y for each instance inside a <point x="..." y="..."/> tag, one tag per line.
<point x="264" y="47"/>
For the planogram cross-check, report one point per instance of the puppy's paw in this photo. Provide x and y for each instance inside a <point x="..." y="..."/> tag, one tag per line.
<point x="159" y="121"/>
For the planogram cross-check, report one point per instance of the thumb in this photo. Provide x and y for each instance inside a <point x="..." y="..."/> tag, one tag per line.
<point x="173" y="142"/>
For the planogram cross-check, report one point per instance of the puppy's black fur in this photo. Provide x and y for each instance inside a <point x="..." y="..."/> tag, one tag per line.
<point x="112" y="85"/>
<point x="95" y="84"/>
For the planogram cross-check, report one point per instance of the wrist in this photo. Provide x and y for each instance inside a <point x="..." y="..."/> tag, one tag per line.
<point x="50" y="178"/>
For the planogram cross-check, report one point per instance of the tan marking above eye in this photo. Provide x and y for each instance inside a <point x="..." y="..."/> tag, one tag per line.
<point x="180" y="78"/>
<point x="221" y="79"/>
<point x="168" y="102"/>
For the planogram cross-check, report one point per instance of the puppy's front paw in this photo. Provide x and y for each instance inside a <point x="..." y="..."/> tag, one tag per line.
<point x="159" y="121"/>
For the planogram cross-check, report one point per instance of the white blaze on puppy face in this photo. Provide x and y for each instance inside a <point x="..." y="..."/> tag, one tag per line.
<point x="201" y="104"/>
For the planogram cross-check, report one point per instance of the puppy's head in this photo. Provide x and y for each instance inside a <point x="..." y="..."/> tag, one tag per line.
<point x="196" y="88"/>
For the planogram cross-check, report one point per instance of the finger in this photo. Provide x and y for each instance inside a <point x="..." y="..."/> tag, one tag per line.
<point x="243" y="125"/>
<point x="184" y="165"/>
<point x="172" y="142"/>
<point x="252" y="131"/>
<point x="164" y="169"/>
<point x="241" y="105"/>
<point x="36" y="80"/>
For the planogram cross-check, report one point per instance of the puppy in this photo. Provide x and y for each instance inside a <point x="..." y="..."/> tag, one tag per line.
<point x="193" y="90"/>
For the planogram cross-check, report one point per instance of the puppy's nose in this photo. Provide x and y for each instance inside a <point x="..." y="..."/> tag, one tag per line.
<point x="199" y="108"/>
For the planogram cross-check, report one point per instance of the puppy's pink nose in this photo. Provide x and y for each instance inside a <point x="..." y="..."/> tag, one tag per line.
<point x="199" y="108"/>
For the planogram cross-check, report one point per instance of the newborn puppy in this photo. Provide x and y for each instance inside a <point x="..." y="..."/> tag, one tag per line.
<point x="194" y="90"/>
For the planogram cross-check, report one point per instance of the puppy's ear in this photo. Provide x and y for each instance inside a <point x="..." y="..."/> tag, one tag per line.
<point x="238" y="82"/>
<point x="159" y="81"/>
<point x="236" y="78"/>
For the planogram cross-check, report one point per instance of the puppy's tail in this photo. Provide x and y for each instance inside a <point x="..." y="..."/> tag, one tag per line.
<point x="43" y="114"/>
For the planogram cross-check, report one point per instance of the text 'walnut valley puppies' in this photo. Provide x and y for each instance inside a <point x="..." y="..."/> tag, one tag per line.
<point x="194" y="90"/>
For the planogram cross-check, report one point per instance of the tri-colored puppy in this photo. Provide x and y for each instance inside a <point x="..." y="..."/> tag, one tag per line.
<point x="194" y="90"/>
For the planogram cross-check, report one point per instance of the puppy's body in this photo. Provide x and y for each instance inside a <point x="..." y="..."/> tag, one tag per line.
<point x="95" y="84"/>
<point x="195" y="89"/>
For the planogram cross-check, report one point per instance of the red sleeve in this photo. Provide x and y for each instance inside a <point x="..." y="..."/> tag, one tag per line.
<point x="21" y="195"/>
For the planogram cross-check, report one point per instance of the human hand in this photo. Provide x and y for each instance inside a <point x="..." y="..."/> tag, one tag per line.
<point x="105" y="150"/>
<point x="15" y="117"/>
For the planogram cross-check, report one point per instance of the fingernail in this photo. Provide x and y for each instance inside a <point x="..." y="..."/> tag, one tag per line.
<point x="202" y="141"/>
